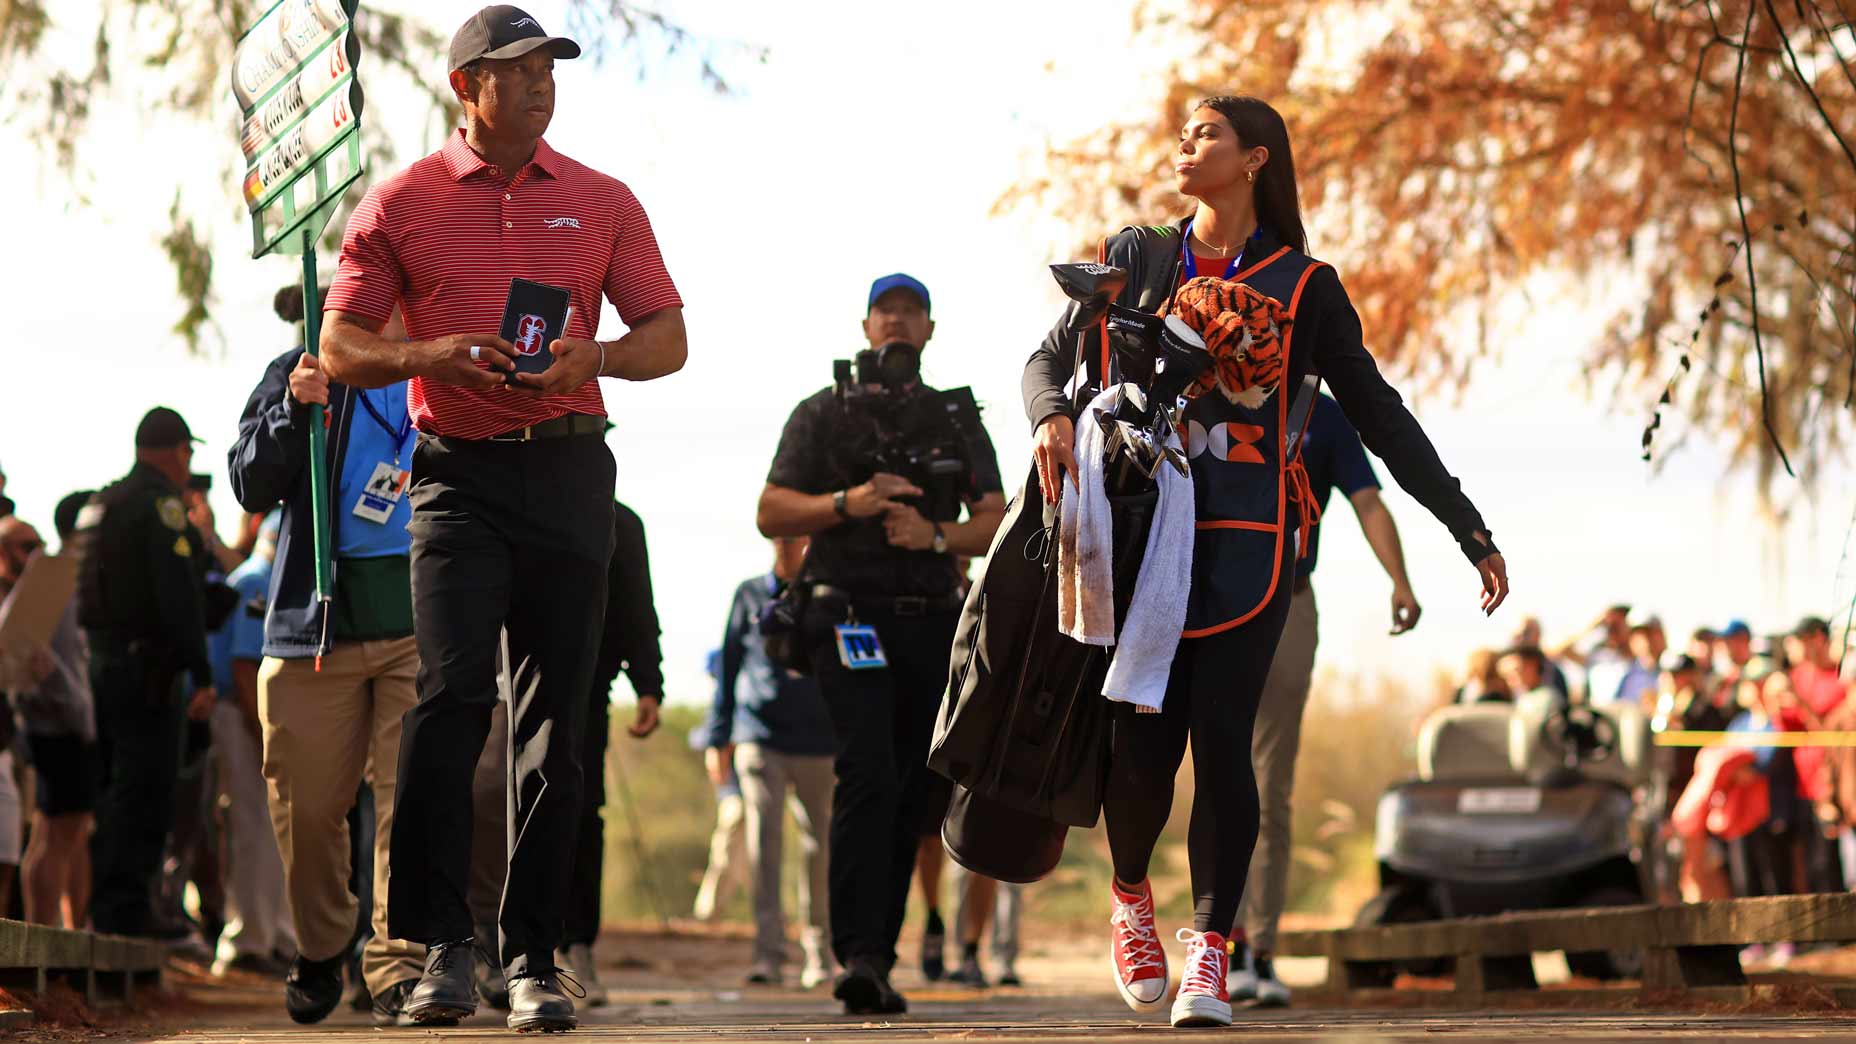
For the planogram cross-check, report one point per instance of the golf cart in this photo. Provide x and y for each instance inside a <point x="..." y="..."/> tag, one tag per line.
<point x="1519" y="807"/>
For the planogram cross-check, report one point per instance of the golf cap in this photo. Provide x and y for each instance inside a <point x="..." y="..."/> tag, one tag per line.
<point x="503" y="31"/>
<point x="898" y="281"/>
<point x="162" y="428"/>
<point x="1736" y="629"/>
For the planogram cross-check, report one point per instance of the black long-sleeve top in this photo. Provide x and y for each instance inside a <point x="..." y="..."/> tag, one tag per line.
<point x="629" y="642"/>
<point x="1327" y="341"/>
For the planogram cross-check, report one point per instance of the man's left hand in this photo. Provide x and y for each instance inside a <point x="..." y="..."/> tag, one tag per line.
<point x="646" y="721"/>
<point x="907" y="529"/>
<point x="576" y="361"/>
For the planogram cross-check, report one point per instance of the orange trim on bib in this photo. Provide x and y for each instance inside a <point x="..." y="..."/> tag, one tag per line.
<point x="1282" y="468"/>
<point x="1236" y="523"/>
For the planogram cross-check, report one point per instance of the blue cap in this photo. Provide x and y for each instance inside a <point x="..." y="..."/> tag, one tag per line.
<point x="1736" y="629"/>
<point x="898" y="281"/>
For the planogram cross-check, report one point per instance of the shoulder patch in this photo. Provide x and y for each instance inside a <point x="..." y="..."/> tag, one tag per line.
<point x="173" y="515"/>
<point x="182" y="547"/>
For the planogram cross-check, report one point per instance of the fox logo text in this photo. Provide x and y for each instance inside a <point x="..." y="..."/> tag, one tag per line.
<point x="531" y="330"/>
<point x="519" y="23"/>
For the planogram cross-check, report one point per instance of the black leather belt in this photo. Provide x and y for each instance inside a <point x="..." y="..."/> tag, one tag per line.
<point x="896" y="605"/>
<point x="554" y="428"/>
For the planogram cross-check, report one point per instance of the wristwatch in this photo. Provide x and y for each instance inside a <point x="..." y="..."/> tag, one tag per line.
<point x="837" y="503"/>
<point x="940" y="540"/>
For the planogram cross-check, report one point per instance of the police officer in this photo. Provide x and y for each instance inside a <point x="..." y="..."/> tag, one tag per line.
<point x="884" y="600"/>
<point x="140" y="600"/>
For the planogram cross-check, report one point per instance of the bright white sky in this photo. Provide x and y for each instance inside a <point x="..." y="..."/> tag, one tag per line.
<point x="877" y="137"/>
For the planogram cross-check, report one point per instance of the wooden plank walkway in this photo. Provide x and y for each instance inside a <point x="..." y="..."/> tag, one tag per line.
<point x="1691" y="946"/>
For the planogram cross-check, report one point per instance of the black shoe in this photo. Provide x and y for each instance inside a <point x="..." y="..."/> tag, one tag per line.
<point x="390" y="1007"/>
<point x="445" y="992"/>
<point x="312" y="989"/>
<point x="491" y="986"/>
<point x="860" y="988"/>
<point x="866" y="991"/>
<point x="539" y="1002"/>
<point x="889" y="1002"/>
<point x="934" y="946"/>
<point x="1010" y="978"/>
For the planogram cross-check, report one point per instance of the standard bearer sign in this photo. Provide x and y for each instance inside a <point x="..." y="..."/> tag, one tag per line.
<point x="294" y="77"/>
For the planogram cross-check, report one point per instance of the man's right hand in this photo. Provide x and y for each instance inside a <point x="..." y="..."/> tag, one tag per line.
<point x="448" y="360"/>
<point x="716" y="762"/>
<point x="200" y="704"/>
<point x="308" y="384"/>
<point x="878" y="495"/>
<point x="1055" y="455"/>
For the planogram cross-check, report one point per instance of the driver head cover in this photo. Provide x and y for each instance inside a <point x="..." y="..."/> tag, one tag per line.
<point x="1243" y="329"/>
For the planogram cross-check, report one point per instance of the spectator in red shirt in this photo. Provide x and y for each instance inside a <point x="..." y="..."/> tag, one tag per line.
<point x="1819" y="692"/>
<point x="511" y="488"/>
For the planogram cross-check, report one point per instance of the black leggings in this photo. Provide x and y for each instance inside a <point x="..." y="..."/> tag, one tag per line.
<point x="1211" y="695"/>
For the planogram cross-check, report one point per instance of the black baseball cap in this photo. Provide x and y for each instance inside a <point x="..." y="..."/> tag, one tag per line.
<point x="504" y="31"/>
<point x="162" y="428"/>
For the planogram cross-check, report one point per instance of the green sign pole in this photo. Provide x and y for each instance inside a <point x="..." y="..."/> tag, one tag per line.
<point x="293" y="75"/>
<point x="318" y="438"/>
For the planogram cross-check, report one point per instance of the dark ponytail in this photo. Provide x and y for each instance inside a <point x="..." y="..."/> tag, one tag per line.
<point x="1256" y="123"/>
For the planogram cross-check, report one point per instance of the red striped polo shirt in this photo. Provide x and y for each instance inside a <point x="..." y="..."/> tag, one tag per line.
<point x="444" y="237"/>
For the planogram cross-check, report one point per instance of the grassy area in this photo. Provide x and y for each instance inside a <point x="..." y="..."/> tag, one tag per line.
<point x="1357" y="737"/>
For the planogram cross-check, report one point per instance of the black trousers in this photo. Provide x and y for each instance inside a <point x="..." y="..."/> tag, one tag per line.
<point x="883" y="721"/>
<point x="515" y="535"/>
<point x="590" y="852"/>
<point x="140" y="715"/>
<point x="1212" y="696"/>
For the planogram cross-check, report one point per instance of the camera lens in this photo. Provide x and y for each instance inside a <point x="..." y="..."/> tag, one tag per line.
<point x="899" y="363"/>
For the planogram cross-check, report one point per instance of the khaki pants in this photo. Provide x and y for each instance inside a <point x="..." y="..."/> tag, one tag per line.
<point x="765" y="778"/>
<point x="728" y="856"/>
<point x="323" y="733"/>
<point x="1273" y="746"/>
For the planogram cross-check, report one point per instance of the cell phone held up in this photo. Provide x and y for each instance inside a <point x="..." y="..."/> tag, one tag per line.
<point x="534" y="317"/>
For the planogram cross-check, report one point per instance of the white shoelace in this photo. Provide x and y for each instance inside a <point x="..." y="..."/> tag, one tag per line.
<point x="1140" y="944"/>
<point x="1204" y="965"/>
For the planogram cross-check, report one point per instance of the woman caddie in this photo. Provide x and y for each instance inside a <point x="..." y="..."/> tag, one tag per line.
<point x="1234" y="160"/>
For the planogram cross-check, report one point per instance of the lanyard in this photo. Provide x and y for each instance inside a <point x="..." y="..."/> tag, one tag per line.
<point x="1191" y="264"/>
<point x="399" y="436"/>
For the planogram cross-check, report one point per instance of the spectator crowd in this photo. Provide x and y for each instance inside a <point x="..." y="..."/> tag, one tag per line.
<point x="1755" y="768"/>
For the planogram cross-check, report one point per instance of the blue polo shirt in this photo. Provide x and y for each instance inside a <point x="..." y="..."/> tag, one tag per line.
<point x="379" y="431"/>
<point x="242" y="636"/>
<point x="1335" y="459"/>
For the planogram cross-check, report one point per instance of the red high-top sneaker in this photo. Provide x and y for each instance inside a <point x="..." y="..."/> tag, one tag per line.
<point x="1202" y="1000"/>
<point x="1134" y="948"/>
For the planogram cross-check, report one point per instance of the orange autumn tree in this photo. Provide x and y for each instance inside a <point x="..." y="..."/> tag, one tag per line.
<point x="1450" y="150"/>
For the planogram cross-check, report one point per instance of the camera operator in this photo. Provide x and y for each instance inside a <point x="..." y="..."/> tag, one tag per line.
<point x="875" y="470"/>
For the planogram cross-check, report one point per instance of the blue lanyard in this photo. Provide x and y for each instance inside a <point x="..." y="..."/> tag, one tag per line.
<point x="1191" y="263"/>
<point x="399" y="436"/>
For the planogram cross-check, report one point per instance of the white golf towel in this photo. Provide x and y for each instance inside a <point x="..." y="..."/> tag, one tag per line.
<point x="1086" y="537"/>
<point x="1085" y="570"/>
